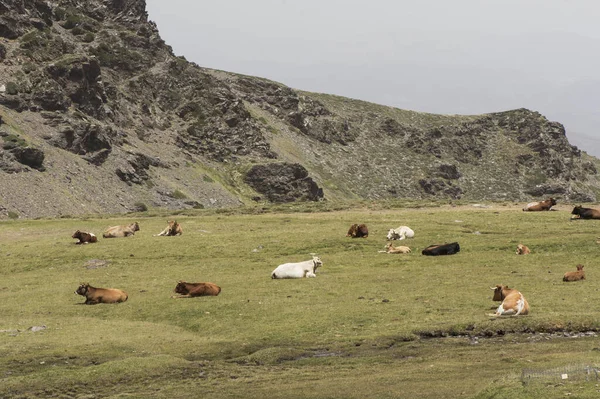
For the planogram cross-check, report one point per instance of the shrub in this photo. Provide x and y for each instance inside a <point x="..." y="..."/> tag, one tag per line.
<point x="178" y="195"/>
<point x="13" y="215"/>
<point x="72" y="21"/>
<point x="12" y="88"/>
<point x="88" y="37"/>
<point x="140" y="207"/>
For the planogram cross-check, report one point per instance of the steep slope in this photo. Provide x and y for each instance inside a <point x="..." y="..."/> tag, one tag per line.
<point x="99" y="115"/>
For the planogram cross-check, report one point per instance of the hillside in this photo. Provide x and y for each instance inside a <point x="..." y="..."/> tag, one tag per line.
<point x="99" y="116"/>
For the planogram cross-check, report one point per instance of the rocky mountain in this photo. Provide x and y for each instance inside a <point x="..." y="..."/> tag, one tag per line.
<point x="98" y="115"/>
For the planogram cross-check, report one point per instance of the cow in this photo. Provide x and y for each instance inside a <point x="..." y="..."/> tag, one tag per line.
<point x="100" y="295"/>
<point x="306" y="269"/>
<point x="540" y="206"/>
<point x="513" y="302"/>
<point x="396" y="250"/>
<point x="580" y="212"/>
<point x="121" y="231"/>
<point x="173" y="229"/>
<point x="522" y="250"/>
<point x="191" y="290"/>
<point x="575" y="276"/>
<point x="400" y="233"/>
<point x="441" y="249"/>
<point x="84" y="237"/>
<point x="358" y="231"/>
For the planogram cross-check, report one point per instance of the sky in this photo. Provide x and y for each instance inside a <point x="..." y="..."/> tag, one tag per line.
<point x="442" y="56"/>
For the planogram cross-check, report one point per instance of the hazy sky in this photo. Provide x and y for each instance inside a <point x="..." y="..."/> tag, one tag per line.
<point x="442" y="56"/>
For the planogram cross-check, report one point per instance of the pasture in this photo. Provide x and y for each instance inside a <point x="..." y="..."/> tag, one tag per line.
<point x="370" y="324"/>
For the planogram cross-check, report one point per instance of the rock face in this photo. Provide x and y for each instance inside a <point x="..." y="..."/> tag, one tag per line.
<point x="283" y="182"/>
<point x="94" y="103"/>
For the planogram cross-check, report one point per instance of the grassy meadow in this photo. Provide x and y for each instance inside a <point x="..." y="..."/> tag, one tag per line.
<point x="370" y="324"/>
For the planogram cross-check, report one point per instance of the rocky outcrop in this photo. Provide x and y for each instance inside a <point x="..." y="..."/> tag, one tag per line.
<point x="283" y="182"/>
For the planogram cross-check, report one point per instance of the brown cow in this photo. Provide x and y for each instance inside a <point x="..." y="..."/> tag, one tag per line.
<point x="540" y="206"/>
<point x="190" y="290"/>
<point x="358" y="231"/>
<point x="396" y="250"/>
<point x="575" y="276"/>
<point x="522" y="250"/>
<point x="173" y="229"/>
<point x="513" y="302"/>
<point x="100" y="295"/>
<point x="121" y="231"/>
<point x="84" y="237"/>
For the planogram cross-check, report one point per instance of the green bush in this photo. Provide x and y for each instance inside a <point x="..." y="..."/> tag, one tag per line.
<point x="88" y="37"/>
<point x="72" y="21"/>
<point x="178" y="195"/>
<point x="13" y="215"/>
<point x="140" y="207"/>
<point x="12" y="88"/>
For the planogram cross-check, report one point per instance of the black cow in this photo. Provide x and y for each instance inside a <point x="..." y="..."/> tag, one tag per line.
<point x="441" y="249"/>
<point x="585" y="213"/>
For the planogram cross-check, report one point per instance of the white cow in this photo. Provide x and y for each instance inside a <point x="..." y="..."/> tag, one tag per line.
<point x="306" y="269"/>
<point x="400" y="233"/>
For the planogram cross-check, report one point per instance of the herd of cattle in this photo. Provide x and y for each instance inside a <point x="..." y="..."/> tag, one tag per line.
<point x="513" y="302"/>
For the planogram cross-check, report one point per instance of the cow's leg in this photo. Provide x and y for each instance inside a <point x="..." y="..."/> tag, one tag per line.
<point x="181" y="296"/>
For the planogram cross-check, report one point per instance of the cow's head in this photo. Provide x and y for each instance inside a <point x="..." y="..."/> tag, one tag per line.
<point x="82" y="289"/>
<point x="391" y="234"/>
<point x="77" y="234"/>
<point x="135" y="226"/>
<point x="181" y="288"/>
<point x="317" y="262"/>
<point x="498" y="292"/>
<point x="352" y="231"/>
<point x="579" y="267"/>
<point x="552" y="201"/>
<point x="576" y="210"/>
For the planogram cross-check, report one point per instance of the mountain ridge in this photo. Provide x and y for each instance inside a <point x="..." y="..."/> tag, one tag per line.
<point x="99" y="116"/>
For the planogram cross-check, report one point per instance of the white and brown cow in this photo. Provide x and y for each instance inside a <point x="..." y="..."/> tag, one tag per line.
<point x="513" y="302"/>
<point x="401" y="249"/>
<point x="173" y="229"/>
<point x="121" y="231"/>
<point x="575" y="276"/>
<point x="522" y="250"/>
<point x="306" y="269"/>
<point x="540" y="206"/>
<point x="84" y="237"/>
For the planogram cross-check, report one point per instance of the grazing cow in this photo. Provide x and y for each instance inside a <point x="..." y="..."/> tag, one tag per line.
<point x="121" y="231"/>
<point x="580" y="212"/>
<point x="522" y="250"/>
<point x="575" y="276"/>
<point x="306" y="269"/>
<point x="84" y="237"/>
<point x="540" y="206"/>
<point x="400" y="233"/>
<point x="173" y="229"/>
<point x="100" y="295"/>
<point x="441" y="249"/>
<point x="396" y="250"/>
<point x="191" y="290"/>
<point x="358" y="231"/>
<point x="513" y="302"/>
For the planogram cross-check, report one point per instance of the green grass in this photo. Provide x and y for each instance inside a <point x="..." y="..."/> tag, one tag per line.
<point x="360" y="329"/>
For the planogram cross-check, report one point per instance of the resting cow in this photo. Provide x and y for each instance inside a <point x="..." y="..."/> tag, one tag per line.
<point x="575" y="276"/>
<point x="540" y="206"/>
<point x="513" y="302"/>
<point x="400" y="233"/>
<point x="522" y="250"/>
<point x="358" y="231"/>
<point x="84" y="237"/>
<point x="580" y="212"/>
<point x="191" y="290"/>
<point x="306" y="269"/>
<point x="173" y="229"/>
<point x="396" y="250"/>
<point x="121" y="231"/>
<point x="100" y="295"/>
<point x="442" y="249"/>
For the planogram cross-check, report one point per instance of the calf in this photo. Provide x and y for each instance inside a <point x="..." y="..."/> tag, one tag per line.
<point x="100" y="295"/>
<point x="191" y="290"/>
<point x="540" y="206"/>
<point x="442" y="249"/>
<point x="396" y="250"/>
<point x="306" y="269"/>
<point x="400" y="233"/>
<point x="84" y="237"/>
<point x="522" y="250"/>
<point x="575" y="276"/>
<point x="580" y="212"/>
<point x="513" y="302"/>
<point x="358" y="231"/>
<point x="121" y="231"/>
<point x="173" y="229"/>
